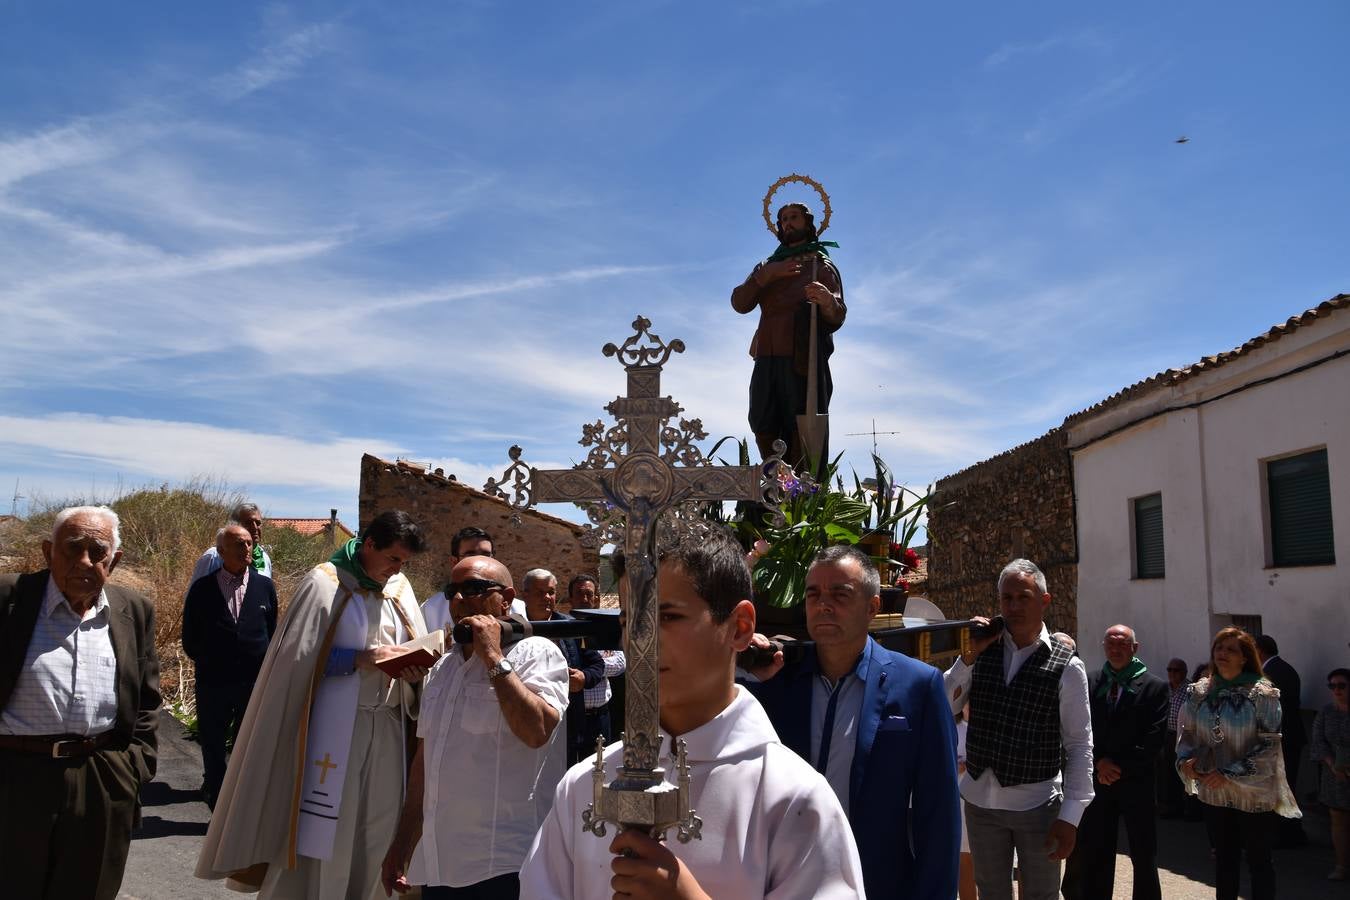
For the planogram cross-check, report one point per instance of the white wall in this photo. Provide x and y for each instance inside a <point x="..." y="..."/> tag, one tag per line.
<point x="1208" y="464"/>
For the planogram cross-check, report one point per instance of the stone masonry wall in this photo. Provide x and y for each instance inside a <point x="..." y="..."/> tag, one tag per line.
<point x="1017" y="504"/>
<point x="442" y="507"/>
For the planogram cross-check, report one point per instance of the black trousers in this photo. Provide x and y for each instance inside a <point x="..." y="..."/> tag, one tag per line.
<point x="1235" y="832"/>
<point x="503" y="887"/>
<point x="1170" y="791"/>
<point x="220" y="710"/>
<point x="65" y="824"/>
<point x="1091" y="870"/>
<point x="597" y="725"/>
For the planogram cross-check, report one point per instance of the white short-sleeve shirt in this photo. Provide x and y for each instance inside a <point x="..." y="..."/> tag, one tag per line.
<point x="484" y="799"/>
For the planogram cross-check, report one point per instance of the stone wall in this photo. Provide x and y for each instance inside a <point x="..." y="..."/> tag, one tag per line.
<point x="1017" y="504"/>
<point x="442" y="506"/>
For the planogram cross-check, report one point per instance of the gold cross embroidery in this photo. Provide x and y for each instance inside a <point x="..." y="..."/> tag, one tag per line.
<point x="324" y="764"/>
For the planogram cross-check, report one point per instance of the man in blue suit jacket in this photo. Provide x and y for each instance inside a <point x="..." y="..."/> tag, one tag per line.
<point x="229" y="618"/>
<point x="878" y="726"/>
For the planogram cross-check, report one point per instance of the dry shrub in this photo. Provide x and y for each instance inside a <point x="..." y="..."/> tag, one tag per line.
<point x="165" y="529"/>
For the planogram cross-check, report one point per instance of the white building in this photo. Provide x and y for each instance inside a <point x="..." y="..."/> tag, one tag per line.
<point x="1220" y="494"/>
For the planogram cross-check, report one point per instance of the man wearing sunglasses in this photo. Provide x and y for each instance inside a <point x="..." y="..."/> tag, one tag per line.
<point x="489" y="718"/>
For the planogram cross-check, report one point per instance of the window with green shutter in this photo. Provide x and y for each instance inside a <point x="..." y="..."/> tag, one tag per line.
<point x="1299" y="492"/>
<point x="1148" y="537"/>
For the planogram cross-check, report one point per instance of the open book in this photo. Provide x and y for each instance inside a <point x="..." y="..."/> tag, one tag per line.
<point x="423" y="651"/>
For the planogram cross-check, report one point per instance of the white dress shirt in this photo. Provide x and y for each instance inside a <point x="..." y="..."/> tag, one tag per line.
<point x="209" y="562"/>
<point x="772" y="827"/>
<point x="848" y="691"/>
<point x="483" y="798"/>
<point x="1075" y="729"/>
<point x="68" y="683"/>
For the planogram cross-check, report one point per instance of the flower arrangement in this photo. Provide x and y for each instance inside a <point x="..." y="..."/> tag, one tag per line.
<point x="817" y="514"/>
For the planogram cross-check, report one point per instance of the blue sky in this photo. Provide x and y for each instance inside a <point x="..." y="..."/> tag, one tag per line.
<point x="256" y="241"/>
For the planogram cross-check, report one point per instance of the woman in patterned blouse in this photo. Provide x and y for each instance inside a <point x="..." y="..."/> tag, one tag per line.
<point x="1331" y="745"/>
<point x="1228" y="755"/>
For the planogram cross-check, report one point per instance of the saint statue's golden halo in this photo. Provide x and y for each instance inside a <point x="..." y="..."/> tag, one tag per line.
<point x="802" y="179"/>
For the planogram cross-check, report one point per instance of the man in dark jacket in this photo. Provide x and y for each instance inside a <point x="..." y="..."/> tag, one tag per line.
<point x="1129" y="719"/>
<point x="229" y="617"/>
<point x="1295" y="736"/>
<point x="72" y="764"/>
<point x="585" y="668"/>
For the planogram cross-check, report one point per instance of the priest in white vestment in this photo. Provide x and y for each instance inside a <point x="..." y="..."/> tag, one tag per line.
<point x="315" y="783"/>
<point x="772" y="827"/>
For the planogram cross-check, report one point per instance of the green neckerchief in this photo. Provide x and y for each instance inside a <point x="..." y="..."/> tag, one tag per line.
<point x="1123" y="678"/>
<point x="1244" y="679"/>
<point x="344" y="557"/>
<point x="786" y="252"/>
<point x="259" y="561"/>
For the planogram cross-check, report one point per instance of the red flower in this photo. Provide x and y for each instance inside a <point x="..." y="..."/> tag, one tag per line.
<point x="911" y="557"/>
<point x="902" y="584"/>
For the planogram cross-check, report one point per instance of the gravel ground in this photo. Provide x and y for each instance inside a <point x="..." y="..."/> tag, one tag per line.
<point x="164" y="851"/>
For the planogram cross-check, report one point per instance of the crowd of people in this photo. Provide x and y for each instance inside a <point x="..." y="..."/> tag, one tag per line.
<point x="849" y="770"/>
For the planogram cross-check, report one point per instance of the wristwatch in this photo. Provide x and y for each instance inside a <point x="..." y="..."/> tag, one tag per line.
<point x="502" y="667"/>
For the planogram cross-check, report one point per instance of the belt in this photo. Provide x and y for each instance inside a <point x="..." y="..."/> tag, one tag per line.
<point x="597" y="710"/>
<point x="61" y="746"/>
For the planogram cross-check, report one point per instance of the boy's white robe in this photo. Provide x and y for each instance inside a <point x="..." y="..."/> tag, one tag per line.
<point x="772" y="827"/>
<point x="254" y="826"/>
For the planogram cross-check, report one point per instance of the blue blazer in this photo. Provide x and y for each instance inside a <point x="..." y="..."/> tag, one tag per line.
<point x="905" y="755"/>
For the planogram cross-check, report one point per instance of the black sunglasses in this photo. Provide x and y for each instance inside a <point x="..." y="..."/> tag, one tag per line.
<point x="1338" y="685"/>
<point x="472" y="587"/>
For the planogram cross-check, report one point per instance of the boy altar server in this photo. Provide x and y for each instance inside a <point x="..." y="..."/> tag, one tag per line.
<point x="772" y="827"/>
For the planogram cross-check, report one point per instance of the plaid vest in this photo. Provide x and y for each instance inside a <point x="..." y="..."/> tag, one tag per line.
<point x="1014" y="728"/>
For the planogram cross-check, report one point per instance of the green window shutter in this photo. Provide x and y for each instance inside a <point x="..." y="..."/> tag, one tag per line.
<point x="1148" y="537"/>
<point x="1299" y="488"/>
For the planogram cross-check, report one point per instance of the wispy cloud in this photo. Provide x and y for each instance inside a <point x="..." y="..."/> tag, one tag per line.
<point x="1082" y="41"/>
<point x="1065" y="114"/>
<point x="283" y="59"/>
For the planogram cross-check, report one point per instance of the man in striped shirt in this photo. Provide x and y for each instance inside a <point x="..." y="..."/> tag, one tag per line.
<point x="583" y="593"/>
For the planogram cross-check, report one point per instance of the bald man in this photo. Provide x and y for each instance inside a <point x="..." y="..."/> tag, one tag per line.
<point x="1129" y="718"/>
<point x="489" y="717"/>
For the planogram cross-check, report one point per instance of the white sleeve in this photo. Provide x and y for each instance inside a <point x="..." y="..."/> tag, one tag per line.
<point x="267" y="563"/>
<point x="1075" y="729"/>
<point x="957" y="682"/>
<point x="436" y="612"/>
<point x="207" y="563"/>
<point x="546" y="873"/>
<point x="615" y="663"/>
<point x="813" y="854"/>
<point x="543" y="668"/>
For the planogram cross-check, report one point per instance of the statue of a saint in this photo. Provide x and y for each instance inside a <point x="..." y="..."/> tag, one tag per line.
<point x="801" y="303"/>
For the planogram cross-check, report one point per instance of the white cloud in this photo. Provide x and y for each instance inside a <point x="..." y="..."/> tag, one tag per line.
<point x="280" y="61"/>
<point x="177" y="451"/>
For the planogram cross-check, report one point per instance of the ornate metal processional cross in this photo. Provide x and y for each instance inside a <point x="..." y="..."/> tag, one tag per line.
<point x="628" y="481"/>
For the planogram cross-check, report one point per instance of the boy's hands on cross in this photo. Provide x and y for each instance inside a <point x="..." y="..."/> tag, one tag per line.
<point x="646" y="869"/>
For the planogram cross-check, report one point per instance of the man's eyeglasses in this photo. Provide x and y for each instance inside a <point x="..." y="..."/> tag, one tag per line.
<point x="1338" y="685"/>
<point x="472" y="587"/>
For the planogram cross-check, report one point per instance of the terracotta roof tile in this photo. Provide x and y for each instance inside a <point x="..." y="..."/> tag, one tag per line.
<point x="308" y="526"/>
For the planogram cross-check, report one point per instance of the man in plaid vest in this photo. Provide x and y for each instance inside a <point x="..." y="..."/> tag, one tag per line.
<point x="1029" y="718"/>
